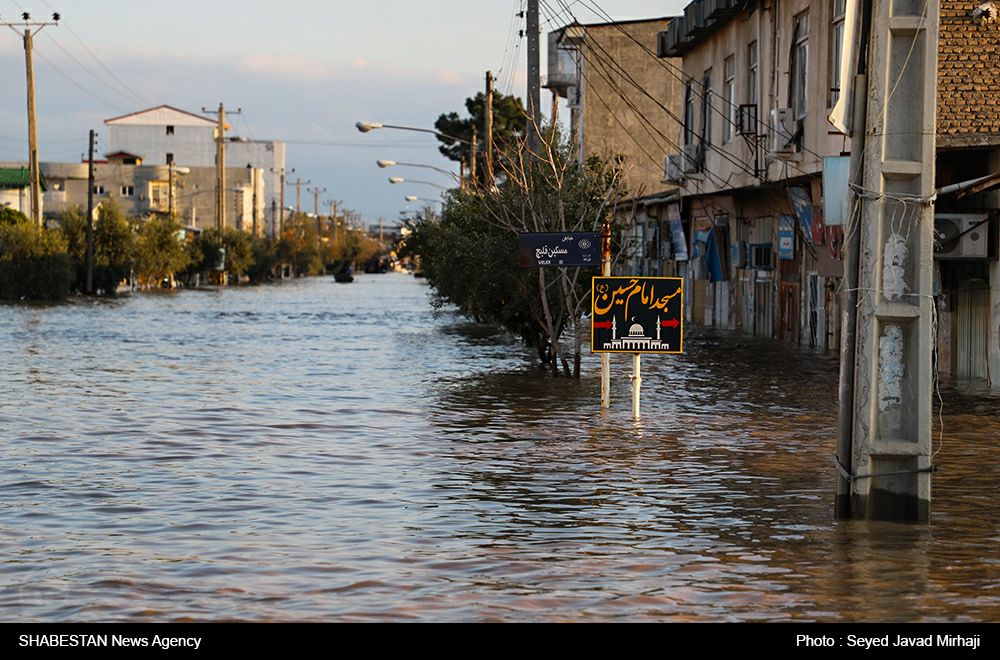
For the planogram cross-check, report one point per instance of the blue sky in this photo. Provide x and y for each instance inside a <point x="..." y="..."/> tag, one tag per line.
<point x="301" y="71"/>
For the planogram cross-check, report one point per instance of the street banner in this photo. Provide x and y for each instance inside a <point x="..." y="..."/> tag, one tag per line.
<point x="637" y="315"/>
<point x="568" y="249"/>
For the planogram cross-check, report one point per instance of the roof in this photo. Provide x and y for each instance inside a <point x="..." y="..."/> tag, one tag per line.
<point x="163" y="115"/>
<point x="122" y="154"/>
<point x="17" y="178"/>
<point x="968" y="77"/>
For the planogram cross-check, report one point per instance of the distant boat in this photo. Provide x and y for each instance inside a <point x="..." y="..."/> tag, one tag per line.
<point x="344" y="276"/>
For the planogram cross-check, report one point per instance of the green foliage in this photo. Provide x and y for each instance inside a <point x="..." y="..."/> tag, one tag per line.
<point x="509" y="119"/>
<point x="160" y="252"/>
<point x="114" y="248"/>
<point x="34" y="264"/>
<point x="470" y="254"/>
<point x="264" y="257"/>
<point x="10" y="217"/>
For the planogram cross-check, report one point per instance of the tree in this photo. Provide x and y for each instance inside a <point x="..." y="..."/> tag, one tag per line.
<point x="470" y="254"/>
<point x="114" y="248"/>
<point x="160" y="252"/>
<point x="509" y="118"/>
<point x="33" y="261"/>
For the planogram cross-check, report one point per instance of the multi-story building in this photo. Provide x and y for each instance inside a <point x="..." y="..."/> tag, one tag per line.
<point x="164" y="135"/>
<point x="762" y="219"/>
<point x="623" y="104"/>
<point x="143" y="190"/>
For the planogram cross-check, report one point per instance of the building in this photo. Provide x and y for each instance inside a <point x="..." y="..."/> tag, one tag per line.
<point x="15" y="188"/>
<point x="143" y="190"/>
<point x="760" y="226"/>
<point x="165" y="135"/>
<point x="623" y="104"/>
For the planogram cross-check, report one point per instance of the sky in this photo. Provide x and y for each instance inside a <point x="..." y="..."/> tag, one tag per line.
<point x="301" y="71"/>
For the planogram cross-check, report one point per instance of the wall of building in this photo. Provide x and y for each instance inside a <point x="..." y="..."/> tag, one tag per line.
<point x="612" y="126"/>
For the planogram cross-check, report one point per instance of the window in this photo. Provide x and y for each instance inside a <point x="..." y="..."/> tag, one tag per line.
<point x="689" y="132"/>
<point x="800" y="66"/>
<point x="159" y="195"/>
<point x="170" y="158"/>
<point x="128" y="191"/>
<point x="753" y="73"/>
<point x="170" y="130"/>
<point x="729" y="95"/>
<point x="836" y="50"/>
<point x="706" y="108"/>
<point x="99" y="190"/>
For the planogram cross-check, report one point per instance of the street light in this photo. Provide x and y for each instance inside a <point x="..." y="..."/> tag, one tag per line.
<point x="396" y="179"/>
<point x="392" y="163"/>
<point x="368" y="126"/>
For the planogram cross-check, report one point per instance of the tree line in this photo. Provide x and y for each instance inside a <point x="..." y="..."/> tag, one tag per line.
<point x="49" y="263"/>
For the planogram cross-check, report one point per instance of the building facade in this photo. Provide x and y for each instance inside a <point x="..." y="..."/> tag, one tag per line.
<point x="164" y="135"/>
<point x="759" y="230"/>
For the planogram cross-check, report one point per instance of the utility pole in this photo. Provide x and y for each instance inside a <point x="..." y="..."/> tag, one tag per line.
<point x="90" y="214"/>
<point x="220" y="165"/>
<point x="534" y="80"/>
<point x="489" y="129"/>
<point x="889" y="471"/>
<point x="298" y="183"/>
<point x="319" y="223"/>
<point x="281" y="187"/>
<point x="170" y="189"/>
<point x="34" y="171"/>
<point x="253" y="212"/>
<point x="474" y="171"/>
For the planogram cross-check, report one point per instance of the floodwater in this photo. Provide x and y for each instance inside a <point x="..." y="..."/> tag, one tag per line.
<point x="316" y="451"/>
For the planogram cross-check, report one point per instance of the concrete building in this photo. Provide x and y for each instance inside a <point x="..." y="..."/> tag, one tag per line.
<point x="623" y="104"/>
<point x="164" y="135"/>
<point x="759" y="232"/>
<point x="143" y="190"/>
<point x="15" y="188"/>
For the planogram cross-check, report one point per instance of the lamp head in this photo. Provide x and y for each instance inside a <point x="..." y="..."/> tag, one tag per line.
<point x="385" y="163"/>
<point x="396" y="179"/>
<point x="365" y="126"/>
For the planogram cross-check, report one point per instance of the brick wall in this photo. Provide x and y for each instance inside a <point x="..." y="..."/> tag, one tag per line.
<point x="968" y="77"/>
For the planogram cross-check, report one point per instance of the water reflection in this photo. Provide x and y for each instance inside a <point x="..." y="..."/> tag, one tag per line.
<point x="312" y="451"/>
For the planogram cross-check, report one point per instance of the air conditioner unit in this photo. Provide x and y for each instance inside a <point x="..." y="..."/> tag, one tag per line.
<point x="961" y="236"/>
<point x="692" y="158"/>
<point x="782" y="133"/>
<point x="672" y="169"/>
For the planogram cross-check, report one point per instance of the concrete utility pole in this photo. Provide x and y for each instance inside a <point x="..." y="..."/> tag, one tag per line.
<point x="319" y="223"/>
<point x="488" y="129"/>
<point x="281" y="219"/>
<point x="90" y="214"/>
<point x="474" y="171"/>
<point x="298" y="183"/>
<point x="889" y="474"/>
<point x="220" y="165"/>
<point x="534" y="79"/>
<point x="34" y="171"/>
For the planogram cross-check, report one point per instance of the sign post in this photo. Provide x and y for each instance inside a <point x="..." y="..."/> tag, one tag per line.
<point x="637" y="315"/>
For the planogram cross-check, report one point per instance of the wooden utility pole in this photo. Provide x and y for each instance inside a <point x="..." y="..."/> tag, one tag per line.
<point x="889" y="473"/>
<point x="281" y="217"/>
<point x="90" y="215"/>
<point x="534" y="79"/>
<point x="488" y="132"/>
<point x="220" y="165"/>
<point x="34" y="170"/>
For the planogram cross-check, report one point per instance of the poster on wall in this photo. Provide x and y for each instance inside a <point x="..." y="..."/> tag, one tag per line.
<point x="677" y="232"/>
<point x="786" y="238"/>
<point x="803" y="207"/>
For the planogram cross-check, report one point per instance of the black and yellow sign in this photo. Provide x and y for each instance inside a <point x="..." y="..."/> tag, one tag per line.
<point x="637" y="315"/>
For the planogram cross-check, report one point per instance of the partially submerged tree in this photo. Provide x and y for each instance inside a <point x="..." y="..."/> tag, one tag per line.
<point x="470" y="254"/>
<point x="508" y="127"/>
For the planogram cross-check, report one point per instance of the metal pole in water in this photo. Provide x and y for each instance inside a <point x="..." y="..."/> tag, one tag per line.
<point x="636" y="384"/>
<point x="606" y="272"/>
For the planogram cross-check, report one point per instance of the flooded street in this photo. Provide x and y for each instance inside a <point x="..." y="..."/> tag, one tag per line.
<point x="315" y="451"/>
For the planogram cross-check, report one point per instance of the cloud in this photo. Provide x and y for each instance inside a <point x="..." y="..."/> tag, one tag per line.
<point x="294" y="67"/>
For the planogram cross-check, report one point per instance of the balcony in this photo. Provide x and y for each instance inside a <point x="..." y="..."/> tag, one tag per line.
<point x="673" y="41"/>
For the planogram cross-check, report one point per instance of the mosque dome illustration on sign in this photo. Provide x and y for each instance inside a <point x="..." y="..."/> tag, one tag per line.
<point x="636" y="339"/>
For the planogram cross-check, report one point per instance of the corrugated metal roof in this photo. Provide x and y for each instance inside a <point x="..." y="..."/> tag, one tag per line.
<point x="15" y="178"/>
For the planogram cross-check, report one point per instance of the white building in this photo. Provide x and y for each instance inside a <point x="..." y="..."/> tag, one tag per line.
<point x="166" y="134"/>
